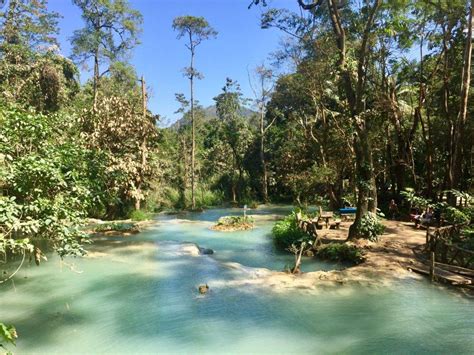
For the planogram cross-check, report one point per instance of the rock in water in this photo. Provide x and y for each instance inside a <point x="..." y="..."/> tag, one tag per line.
<point x="203" y="289"/>
<point x="205" y="251"/>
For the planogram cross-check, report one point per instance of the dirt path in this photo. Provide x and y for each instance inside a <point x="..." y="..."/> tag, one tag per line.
<point x="386" y="260"/>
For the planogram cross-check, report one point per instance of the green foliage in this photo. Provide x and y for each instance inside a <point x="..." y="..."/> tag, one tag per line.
<point x="235" y="221"/>
<point x="196" y="28"/>
<point x="8" y="335"/>
<point x="170" y="198"/>
<point x="117" y="227"/>
<point x="454" y="216"/>
<point x="119" y="136"/>
<point x="465" y="196"/>
<point x="341" y="252"/>
<point x="43" y="174"/>
<point x="103" y="21"/>
<point x="469" y="212"/>
<point x="139" y="215"/>
<point x="206" y="198"/>
<point x="371" y="227"/>
<point x="468" y="241"/>
<point x="286" y="232"/>
<point x="414" y="200"/>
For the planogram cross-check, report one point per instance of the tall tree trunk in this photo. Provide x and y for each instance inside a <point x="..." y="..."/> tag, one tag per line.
<point x="262" y="156"/>
<point x="183" y="173"/>
<point x="193" y="135"/>
<point x="96" y="79"/>
<point x="367" y="194"/>
<point x="143" y="148"/>
<point x="367" y="190"/>
<point x="462" y="115"/>
<point x="450" y="144"/>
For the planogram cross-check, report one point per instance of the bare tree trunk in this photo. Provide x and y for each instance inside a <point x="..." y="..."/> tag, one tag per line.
<point x="96" y="79"/>
<point x="450" y="144"/>
<point x="143" y="148"/>
<point x="298" y="254"/>
<point x="193" y="135"/>
<point x="262" y="156"/>
<point x="183" y="174"/>
<point x="462" y="115"/>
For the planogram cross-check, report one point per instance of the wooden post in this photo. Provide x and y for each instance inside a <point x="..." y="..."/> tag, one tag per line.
<point x="432" y="266"/>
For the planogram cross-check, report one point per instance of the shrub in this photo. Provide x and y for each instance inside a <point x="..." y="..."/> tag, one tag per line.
<point x="371" y="227"/>
<point x="454" y="216"/>
<point x="234" y="223"/>
<point x="117" y="227"/>
<point x="205" y="198"/>
<point x="234" y="220"/>
<point x="286" y="232"/>
<point x="468" y="238"/>
<point x="415" y="201"/>
<point x="250" y="203"/>
<point x="341" y="252"/>
<point x="469" y="211"/>
<point x="139" y="215"/>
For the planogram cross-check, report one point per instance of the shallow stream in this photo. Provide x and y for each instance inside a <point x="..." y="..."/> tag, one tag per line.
<point x="138" y="295"/>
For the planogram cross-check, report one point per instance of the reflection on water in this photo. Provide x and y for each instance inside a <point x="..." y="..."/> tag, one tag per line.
<point x="138" y="294"/>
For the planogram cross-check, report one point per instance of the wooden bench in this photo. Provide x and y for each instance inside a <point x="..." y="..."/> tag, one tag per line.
<point x="348" y="213"/>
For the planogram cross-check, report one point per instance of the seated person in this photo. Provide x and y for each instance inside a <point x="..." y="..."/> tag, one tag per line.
<point x="414" y="214"/>
<point x="425" y="218"/>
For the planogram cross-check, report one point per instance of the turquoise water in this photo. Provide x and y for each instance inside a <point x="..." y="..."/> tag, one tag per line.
<point x="138" y="295"/>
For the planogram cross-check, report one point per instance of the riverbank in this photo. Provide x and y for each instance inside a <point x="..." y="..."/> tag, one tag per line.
<point x="387" y="261"/>
<point x="116" y="228"/>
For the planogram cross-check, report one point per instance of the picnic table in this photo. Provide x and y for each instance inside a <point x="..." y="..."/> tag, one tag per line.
<point x="328" y="218"/>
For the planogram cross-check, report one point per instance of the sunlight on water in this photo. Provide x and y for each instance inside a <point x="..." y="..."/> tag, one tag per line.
<point x="138" y="294"/>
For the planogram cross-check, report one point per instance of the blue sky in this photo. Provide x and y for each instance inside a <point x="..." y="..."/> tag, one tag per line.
<point x="160" y="57"/>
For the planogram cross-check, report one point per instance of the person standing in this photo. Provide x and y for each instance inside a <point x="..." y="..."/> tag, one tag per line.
<point x="393" y="209"/>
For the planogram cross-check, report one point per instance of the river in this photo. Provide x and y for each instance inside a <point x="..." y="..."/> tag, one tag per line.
<point x="138" y="294"/>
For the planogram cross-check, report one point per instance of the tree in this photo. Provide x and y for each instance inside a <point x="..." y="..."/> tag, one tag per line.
<point x="32" y="72"/>
<point x="195" y="29"/>
<point x="262" y="89"/>
<point x="460" y="127"/>
<point x="354" y="90"/>
<point x="121" y="135"/>
<point x="28" y="24"/>
<point x="111" y="31"/>
<point x="236" y="133"/>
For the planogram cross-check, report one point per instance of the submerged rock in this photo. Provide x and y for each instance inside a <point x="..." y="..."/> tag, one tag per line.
<point x="203" y="289"/>
<point x="206" y="251"/>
